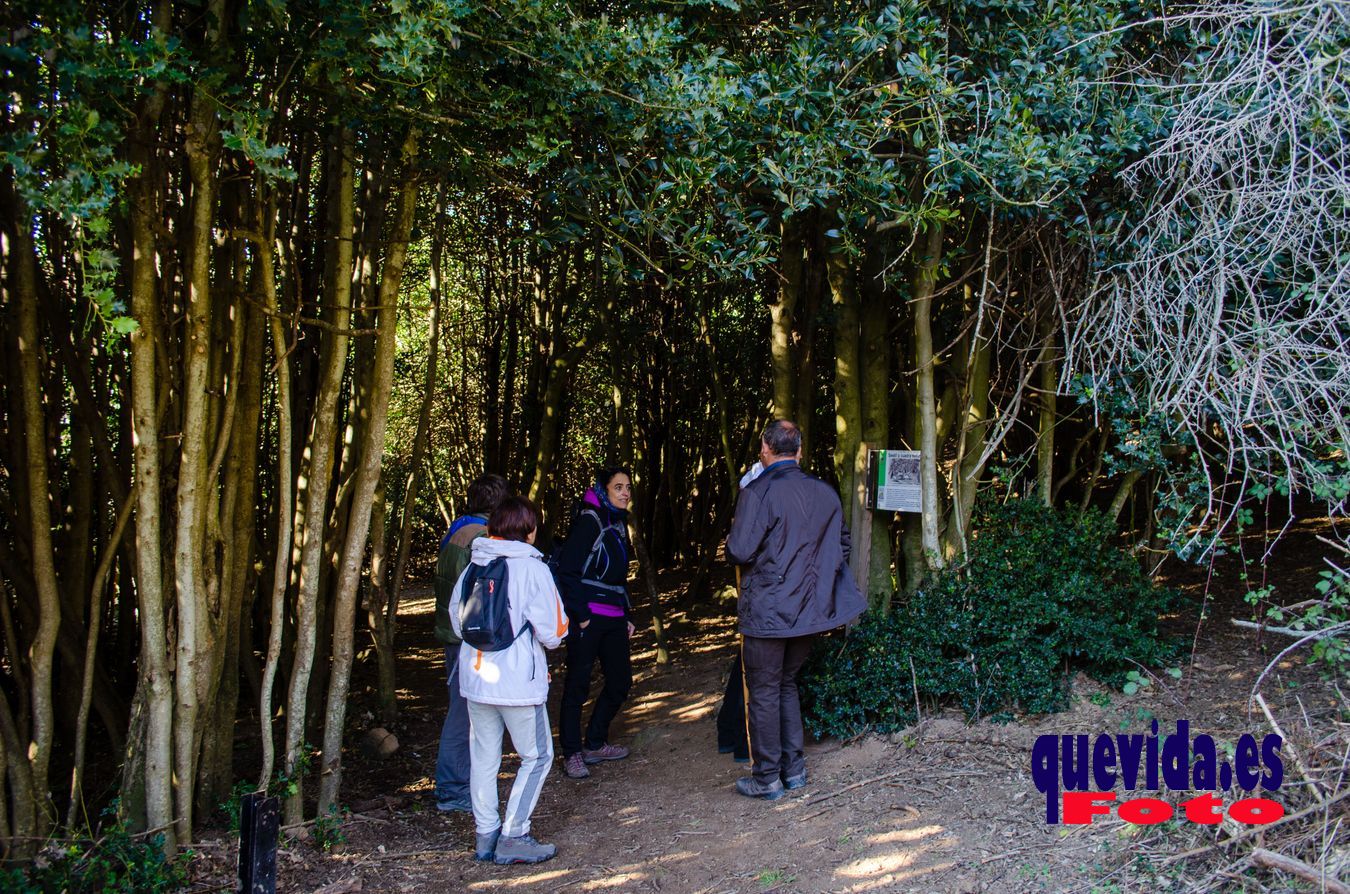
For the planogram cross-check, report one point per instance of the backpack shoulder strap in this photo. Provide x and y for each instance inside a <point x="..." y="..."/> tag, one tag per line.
<point x="599" y="538"/>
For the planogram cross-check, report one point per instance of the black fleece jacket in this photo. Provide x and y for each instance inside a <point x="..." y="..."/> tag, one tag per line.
<point x="609" y="566"/>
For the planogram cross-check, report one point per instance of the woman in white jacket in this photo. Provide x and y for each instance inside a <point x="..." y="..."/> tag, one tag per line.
<point x="507" y="689"/>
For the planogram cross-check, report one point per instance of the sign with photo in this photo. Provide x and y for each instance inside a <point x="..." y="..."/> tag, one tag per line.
<point x="893" y="480"/>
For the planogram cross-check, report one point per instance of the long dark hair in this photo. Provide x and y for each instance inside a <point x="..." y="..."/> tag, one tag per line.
<point x="605" y="474"/>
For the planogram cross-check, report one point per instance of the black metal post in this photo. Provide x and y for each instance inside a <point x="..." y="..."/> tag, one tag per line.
<point x="259" y="820"/>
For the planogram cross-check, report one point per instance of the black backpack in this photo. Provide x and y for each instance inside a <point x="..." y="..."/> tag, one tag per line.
<point x="555" y="554"/>
<point x="485" y="609"/>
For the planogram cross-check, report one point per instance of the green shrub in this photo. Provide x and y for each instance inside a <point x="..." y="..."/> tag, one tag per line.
<point x="117" y="863"/>
<point x="859" y="681"/>
<point x="1041" y="595"/>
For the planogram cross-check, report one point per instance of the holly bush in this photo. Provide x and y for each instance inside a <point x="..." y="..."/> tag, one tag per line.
<point x="1041" y="594"/>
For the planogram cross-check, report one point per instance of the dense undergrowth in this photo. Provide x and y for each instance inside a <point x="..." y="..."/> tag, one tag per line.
<point x="118" y="862"/>
<point x="1041" y="595"/>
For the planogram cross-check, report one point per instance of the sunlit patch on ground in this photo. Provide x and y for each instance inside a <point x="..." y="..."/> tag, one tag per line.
<point x="946" y="808"/>
<point x="519" y="882"/>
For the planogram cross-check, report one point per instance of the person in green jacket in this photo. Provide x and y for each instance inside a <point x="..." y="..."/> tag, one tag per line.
<point x="452" y="758"/>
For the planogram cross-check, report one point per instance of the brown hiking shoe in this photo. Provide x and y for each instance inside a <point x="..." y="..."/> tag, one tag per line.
<point x="574" y="767"/>
<point x="605" y="752"/>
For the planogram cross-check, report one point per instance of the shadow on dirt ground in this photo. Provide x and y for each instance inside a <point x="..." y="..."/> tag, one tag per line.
<point x="943" y="806"/>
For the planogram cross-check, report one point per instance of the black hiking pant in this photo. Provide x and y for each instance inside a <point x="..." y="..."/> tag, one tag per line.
<point x="777" y="740"/>
<point x="731" y="734"/>
<point x="605" y="639"/>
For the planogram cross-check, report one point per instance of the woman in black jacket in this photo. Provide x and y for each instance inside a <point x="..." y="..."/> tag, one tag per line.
<point x="593" y="576"/>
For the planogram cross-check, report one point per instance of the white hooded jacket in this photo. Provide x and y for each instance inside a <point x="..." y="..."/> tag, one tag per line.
<point x="518" y="674"/>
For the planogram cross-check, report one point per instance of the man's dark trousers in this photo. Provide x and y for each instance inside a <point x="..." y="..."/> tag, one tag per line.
<point x="731" y="735"/>
<point x="776" y="737"/>
<point x="452" y="757"/>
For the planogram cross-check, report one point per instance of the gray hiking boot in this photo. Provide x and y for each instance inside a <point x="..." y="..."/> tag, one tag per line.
<point x="485" y="845"/>
<point x="753" y="788"/>
<point x="605" y="752"/>
<point x="523" y="850"/>
<point x="575" y="767"/>
<point x="794" y="782"/>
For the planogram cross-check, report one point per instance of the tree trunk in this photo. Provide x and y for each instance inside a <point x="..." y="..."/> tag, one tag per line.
<point x="195" y="497"/>
<point x="22" y="263"/>
<point x="367" y="477"/>
<point x="847" y="377"/>
<point x="22" y="839"/>
<point x="969" y="467"/>
<point x="1045" y="436"/>
<point x="781" y="317"/>
<point x="150" y="748"/>
<point x="1123" y="493"/>
<point x="105" y="565"/>
<point x="924" y="281"/>
<point x="653" y="592"/>
<point x="284" y="482"/>
<point x="875" y="368"/>
<point x="815" y="290"/>
<point x="321" y="452"/>
<point x="238" y="580"/>
<point x="384" y="618"/>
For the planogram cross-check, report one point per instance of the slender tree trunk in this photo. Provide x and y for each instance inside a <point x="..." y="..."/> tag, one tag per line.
<point x="442" y="506"/>
<point x="386" y="686"/>
<point x="924" y="282"/>
<point x="384" y="618"/>
<point x="1095" y="475"/>
<point x="653" y="592"/>
<point x="368" y="476"/>
<point x="24" y="794"/>
<point x="281" y="568"/>
<point x="1123" y="493"/>
<point x="154" y="739"/>
<point x="723" y="409"/>
<point x="847" y="376"/>
<point x="875" y="367"/>
<point x="815" y="291"/>
<point x="238" y="580"/>
<point x="966" y="473"/>
<point x="193" y="498"/>
<point x="970" y="452"/>
<point x="781" y="316"/>
<point x="560" y="370"/>
<point x="1045" y="436"/>
<point x="321" y="452"/>
<point x="101" y="574"/>
<point x="23" y="295"/>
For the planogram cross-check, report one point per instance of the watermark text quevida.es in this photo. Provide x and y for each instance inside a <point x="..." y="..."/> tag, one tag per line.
<point x="1077" y="775"/>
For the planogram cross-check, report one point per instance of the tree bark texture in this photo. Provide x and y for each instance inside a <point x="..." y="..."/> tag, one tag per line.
<point x="367" y="477"/>
<point x="925" y="279"/>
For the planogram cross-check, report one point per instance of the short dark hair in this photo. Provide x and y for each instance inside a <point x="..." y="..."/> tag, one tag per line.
<point x="606" y="474"/>
<point x="486" y="492"/>
<point x="514" y="519"/>
<point x="783" y="437"/>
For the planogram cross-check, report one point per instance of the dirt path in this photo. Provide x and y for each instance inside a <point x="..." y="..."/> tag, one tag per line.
<point x="945" y="807"/>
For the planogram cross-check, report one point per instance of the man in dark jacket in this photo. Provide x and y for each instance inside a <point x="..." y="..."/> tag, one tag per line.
<point x="789" y="531"/>
<point x="452" y="757"/>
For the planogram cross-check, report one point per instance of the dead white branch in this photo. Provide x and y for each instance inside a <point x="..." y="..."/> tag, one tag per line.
<point x="1229" y="304"/>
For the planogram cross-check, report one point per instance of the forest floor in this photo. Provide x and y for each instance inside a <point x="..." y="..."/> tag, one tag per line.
<point x="941" y="807"/>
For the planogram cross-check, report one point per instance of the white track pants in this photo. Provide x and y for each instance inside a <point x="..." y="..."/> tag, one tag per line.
<point x="533" y="741"/>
